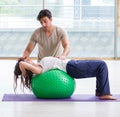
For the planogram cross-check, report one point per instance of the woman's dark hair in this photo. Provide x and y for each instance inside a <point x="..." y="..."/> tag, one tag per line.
<point x="25" y="81"/>
<point x="44" y="13"/>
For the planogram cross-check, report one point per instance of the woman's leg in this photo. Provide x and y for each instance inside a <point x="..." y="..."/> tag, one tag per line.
<point x="91" y="68"/>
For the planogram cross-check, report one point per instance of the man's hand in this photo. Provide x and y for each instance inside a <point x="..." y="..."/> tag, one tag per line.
<point x="25" y="58"/>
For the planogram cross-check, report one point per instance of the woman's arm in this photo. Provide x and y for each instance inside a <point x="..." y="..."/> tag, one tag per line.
<point x="34" y="68"/>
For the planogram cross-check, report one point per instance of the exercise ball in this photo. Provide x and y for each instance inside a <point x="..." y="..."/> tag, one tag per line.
<point x="53" y="84"/>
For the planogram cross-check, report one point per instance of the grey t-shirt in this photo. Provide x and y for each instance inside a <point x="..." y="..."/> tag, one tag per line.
<point x="48" y="46"/>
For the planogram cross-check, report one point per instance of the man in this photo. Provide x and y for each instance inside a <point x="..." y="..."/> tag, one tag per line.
<point x="51" y="40"/>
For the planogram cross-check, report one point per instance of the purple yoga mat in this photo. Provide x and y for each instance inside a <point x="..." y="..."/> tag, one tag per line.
<point x="73" y="98"/>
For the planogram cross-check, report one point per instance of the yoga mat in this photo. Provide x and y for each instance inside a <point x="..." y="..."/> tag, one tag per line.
<point x="73" y="98"/>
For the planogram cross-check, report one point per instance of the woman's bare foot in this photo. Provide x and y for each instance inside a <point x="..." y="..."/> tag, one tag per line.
<point x="107" y="97"/>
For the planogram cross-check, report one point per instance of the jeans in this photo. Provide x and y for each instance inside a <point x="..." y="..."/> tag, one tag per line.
<point x="91" y="68"/>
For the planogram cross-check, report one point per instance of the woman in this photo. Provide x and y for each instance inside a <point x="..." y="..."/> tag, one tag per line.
<point x="75" y="68"/>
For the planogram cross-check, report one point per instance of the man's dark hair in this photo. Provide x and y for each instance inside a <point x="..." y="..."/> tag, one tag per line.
<point x="44" y="13"/>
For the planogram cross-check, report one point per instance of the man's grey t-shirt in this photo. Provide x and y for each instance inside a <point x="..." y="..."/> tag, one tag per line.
<point x="48" y="46"/>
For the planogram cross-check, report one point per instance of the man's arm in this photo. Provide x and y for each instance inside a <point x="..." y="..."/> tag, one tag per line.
<point x="29" y="48"/>
<point x="66" y="46"/>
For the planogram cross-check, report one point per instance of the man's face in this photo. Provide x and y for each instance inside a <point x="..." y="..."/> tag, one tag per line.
<point x="46" y="22"/>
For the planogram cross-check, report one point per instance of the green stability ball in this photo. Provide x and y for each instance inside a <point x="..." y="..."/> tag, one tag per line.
<point x="53" y="84"/>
